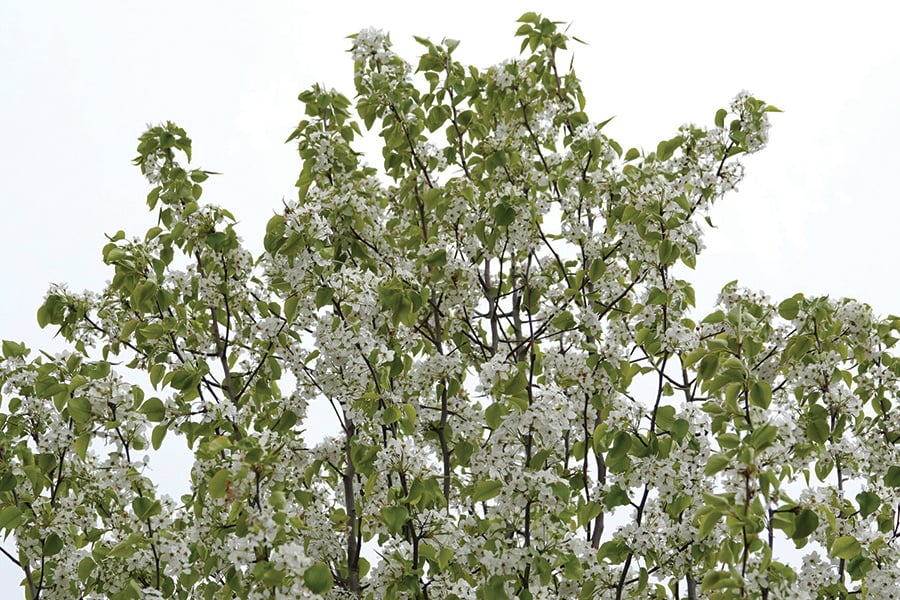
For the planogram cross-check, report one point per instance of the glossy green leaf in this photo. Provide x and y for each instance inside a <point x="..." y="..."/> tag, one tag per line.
<point x="395" y="517"/>
<point x="318" y="578"/>
<point x="486" y="490"/>
<point x="125" y="548"/>
<point x="667" y="148"/>
<point x="708" y="522"/>
<point x="892" y="478"/>
<point x="154" y="409"/>
<point x="868" y="503"/>
<point x="10" y="517"/>
<point x="80" y="409"/>
<point x="495" y="589"/>
<point x="517" y="384"/>
<point x="620" y="446"/>
<point x="52" y="545"/>
<point x="324" y="296"/>
<point x="145" y="508"/>
<point x="14" y="349"/>
<point x="762" y="437"/>
<point x="158" y="435"/>
<point x="805" y="523"/>
<point x="846" y="547"/>
<point x="218" y="483"/>
<point x="616" y="496"/>
<point x="720" y="117"/>
<point x="86" y="567"/>
<point x="761" y="394"/>
<point x="789" y="309"/>
<point x="716" y="463"/>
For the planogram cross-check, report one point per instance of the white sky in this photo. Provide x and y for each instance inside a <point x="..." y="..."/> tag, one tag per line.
<point x="818" y="211"/>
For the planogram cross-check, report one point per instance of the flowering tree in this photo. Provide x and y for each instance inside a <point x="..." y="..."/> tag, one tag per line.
<point x="523" y="404"/>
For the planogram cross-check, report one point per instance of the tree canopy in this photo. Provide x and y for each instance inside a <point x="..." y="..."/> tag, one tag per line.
<point x="524" y="402"/>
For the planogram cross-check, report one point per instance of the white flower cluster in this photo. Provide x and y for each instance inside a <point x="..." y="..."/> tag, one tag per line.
<point x="505" y="73"/>
<point x="371" y="42"/>
<point x="153" y="165"/>
<point x="756" y="130"/>
<point x="372" y="56"/>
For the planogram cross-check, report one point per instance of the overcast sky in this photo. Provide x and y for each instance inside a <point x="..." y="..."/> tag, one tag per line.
<point x="818" y="211"/>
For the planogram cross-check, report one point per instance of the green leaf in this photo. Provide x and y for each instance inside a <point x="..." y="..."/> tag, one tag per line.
<point x="892" y="478"/>
<point x="715" y="317"/>
<point x="868" y="503"/>
<point x="125" y="548"/>
<point x="709" y="365"/>
<point x="318" y="578"/>
<point x="8" y="481"/>
<point x="616" y="496"/>
<point x="9" y="517"/>
<point x="493" y="415"/>
<point x="718" y="580"/>
<point x="667" y="148"/>
<point x="503" y="214"/>
<point x="716" y="463"/>
<point x="395" y="517"/>
<point x="391" y="415"/>
<point x="324" y="295"/>
<point x="620" y="446"/>
<point x="846" y="547"/>
<point x="85" y="567"/>
<point x="218" y="483"/>
<point x="285" y="422"/>
<point x="80" y="409"/>
<point x="43" y="316"/>
<point x="818" y="428"/>
<point x="145" y="507"/>
<point x="657" y="296"/>
<point x="157" y="372"/>
<point x="290" y="307"/>
<point x="680" y="428"/>
<point x="495" y="589"/>
<point x="597" y="269"/>
<point x="708" y="523"/>
<point x="438" y="258"/>
<point x="517" y="384"/>
<point x="154" y="409"/>
<point x="615" y="550"/>
<point x="762" y="437"/>
<point x="14" y="349"/>
<point x="588" y="512"/>
<point x="783" y="520"/>
<point x="665" y="417"/>
<point x="82" y="442"/>
<point x="667" y="252"/>
<point x="486" y="490"/>
<point x="52" y="545"/>
<point x="859" y="566"/>
<point x="573" y="569"/>
<point x="268" y="574"/>
<point x="761" y="394"/>
<point x="158" y="435"/>
<point x="720" y="117"/>
<point x="824" y="466"/>
<point x="143" y="297"/>
<point x="563" y="321"/>
<point x="218" y="443"/>
<point x="185" y="378"/>
<point x="805" y="523"/>
<point x="789" y="309"/>
<point x="96" y="370"/>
